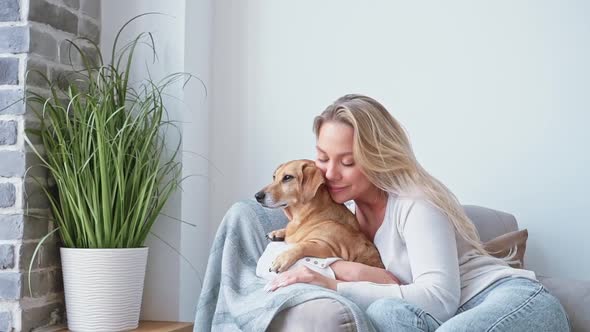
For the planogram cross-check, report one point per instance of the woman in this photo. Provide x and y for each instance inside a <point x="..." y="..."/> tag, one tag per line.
<point x="441" y="272"/>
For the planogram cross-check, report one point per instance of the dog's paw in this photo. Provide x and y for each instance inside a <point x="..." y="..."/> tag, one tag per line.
<point x="278" y="235"/>
<point x="283" y="262"/>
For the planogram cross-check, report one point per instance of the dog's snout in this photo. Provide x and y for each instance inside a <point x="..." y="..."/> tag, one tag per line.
<point x="259" y="196"/>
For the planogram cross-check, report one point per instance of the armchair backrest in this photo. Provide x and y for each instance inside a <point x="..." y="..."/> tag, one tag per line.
<point x="490" y="223"/>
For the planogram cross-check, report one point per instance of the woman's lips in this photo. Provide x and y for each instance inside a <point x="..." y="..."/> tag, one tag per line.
<point x="335" y="189"/>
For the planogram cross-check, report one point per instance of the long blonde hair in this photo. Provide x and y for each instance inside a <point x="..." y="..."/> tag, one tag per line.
<point x="384" y="154"/>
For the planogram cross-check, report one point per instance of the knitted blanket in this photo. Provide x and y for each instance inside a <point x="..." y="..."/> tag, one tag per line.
<point x="232" y="297"/>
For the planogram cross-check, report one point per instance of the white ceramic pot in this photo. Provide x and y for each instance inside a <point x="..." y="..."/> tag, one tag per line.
<point x="103" y="287"/>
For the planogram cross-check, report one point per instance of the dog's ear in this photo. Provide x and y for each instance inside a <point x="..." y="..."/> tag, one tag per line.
<point x="312" y="179"/>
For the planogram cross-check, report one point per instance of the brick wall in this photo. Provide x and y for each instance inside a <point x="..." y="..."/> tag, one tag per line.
<point x="32" y="34"/>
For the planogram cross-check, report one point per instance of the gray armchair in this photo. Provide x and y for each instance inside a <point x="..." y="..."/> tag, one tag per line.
<point x="329" y="315"/>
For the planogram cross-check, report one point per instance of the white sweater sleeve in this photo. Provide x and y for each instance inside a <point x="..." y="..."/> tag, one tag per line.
<point x="432" y="252"/>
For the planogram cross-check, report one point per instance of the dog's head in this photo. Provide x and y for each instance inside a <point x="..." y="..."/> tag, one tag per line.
<point x="294" y="182"/>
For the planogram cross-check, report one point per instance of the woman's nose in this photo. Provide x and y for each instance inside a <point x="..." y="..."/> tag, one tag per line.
<point x="331" y="172"/>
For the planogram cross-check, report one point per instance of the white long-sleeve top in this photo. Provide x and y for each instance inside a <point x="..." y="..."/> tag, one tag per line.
<point x="438" y="269"/>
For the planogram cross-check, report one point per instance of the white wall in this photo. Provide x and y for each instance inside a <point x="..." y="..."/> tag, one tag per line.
<point x="195" y="241"/>
<point x="182" y="43"/>
<point x="494" y="95"/>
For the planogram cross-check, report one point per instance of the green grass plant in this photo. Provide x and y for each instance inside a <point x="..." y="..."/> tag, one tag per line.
<point x="105" y="148"/>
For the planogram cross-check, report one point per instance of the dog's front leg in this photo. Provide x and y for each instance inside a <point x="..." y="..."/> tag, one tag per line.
<point x="278" y="235"/>
<point x="287" y="258"/>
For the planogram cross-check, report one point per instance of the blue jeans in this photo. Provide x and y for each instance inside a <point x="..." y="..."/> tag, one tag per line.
<point x="509" y="304"/>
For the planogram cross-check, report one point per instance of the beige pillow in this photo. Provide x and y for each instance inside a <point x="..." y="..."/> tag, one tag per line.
<point x="501" y="246"/>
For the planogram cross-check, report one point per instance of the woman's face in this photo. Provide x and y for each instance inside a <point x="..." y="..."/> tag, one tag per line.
<point x="344" y="177"/>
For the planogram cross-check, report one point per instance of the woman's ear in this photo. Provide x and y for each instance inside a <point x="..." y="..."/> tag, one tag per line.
<point x="312" y="180"/>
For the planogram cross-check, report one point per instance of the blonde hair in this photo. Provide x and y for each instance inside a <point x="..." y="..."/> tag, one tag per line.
<point x="382" y="150"/>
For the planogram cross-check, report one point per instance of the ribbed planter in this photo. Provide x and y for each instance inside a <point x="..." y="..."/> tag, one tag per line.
<point x="103" y="288"/>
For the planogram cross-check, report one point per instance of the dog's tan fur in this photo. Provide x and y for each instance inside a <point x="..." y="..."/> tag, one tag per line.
<point x="318" y="226"/>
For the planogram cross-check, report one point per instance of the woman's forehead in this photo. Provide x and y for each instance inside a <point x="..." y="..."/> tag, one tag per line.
<point x="335" y="138"/>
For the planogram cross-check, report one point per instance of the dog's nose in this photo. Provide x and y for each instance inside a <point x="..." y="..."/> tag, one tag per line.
<point x="260" y="195"/>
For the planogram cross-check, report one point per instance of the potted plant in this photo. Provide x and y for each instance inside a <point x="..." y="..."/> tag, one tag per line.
<point x="106" y="152"/>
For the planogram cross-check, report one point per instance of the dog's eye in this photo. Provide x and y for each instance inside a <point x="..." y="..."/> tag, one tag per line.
<point x="287" y="178"/>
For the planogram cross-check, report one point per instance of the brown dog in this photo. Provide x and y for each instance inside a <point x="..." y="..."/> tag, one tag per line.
<point x="318" y="226"/>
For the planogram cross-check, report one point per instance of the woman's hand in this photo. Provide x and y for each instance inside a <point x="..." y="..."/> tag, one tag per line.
<point x="301" y="274"/>
<point x="351" y="271"/>
<point x="344" y="271"/>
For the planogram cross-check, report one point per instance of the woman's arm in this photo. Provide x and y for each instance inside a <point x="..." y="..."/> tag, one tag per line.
<point x="344" y="271"/>
<point x="431" y="247"/>
<point x="351" y="271"/>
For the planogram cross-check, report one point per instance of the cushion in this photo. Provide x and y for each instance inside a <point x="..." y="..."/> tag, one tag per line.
<point x="500" y="246"/>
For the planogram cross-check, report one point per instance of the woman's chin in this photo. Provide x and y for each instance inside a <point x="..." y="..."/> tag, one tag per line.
<point x="338" y="198"/>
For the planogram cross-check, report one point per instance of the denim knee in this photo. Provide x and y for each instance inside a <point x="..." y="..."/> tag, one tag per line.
<point x="393" y="313"/>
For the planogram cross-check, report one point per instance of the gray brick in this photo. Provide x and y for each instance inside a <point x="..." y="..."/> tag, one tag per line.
<point x="5" y="321"/>
<point x="36" y="73"/>
<point x="13" y="163"/>
<point x="48" y="314"/>
<point x="66" y="77"/>
<point x="35" y="226"/>
<point x="34" y="166"/>
<point x="26" y="254"/>
<point x="42" y="282"/>
<point x="14" y="39"/>
<point x="6" y="256"/>
<point x="62" y="77"/>
<point x="9" y="71"/>
<point x="8" y="132"/>
<point x="11" y="101"/>
<point x="88" y="29"/>
<point x="74" y="4"/>
<point x="69" y="55"/>
<point x="10" y="285"/>
<point x="35" y="196"/>
<point x="7" y="195"/>
<point x="58" y="17"/>
<point x="47" y="254"/>
<point x="25" y="227"/>
<point x="11" y="227"/>
<point x="91" y="8"/>
<point x="44" y="44"/>
<point x="9" y="11"/>
<point x="32" y="122"/>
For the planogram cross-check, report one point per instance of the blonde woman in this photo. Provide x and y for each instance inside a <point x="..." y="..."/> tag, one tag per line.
<point x="438" y="275"/>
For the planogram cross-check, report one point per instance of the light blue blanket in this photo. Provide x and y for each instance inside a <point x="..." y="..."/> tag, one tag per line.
<point x="232" y="297"/>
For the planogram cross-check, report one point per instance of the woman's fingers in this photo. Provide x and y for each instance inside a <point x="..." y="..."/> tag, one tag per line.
<point x="300" y="274"/>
